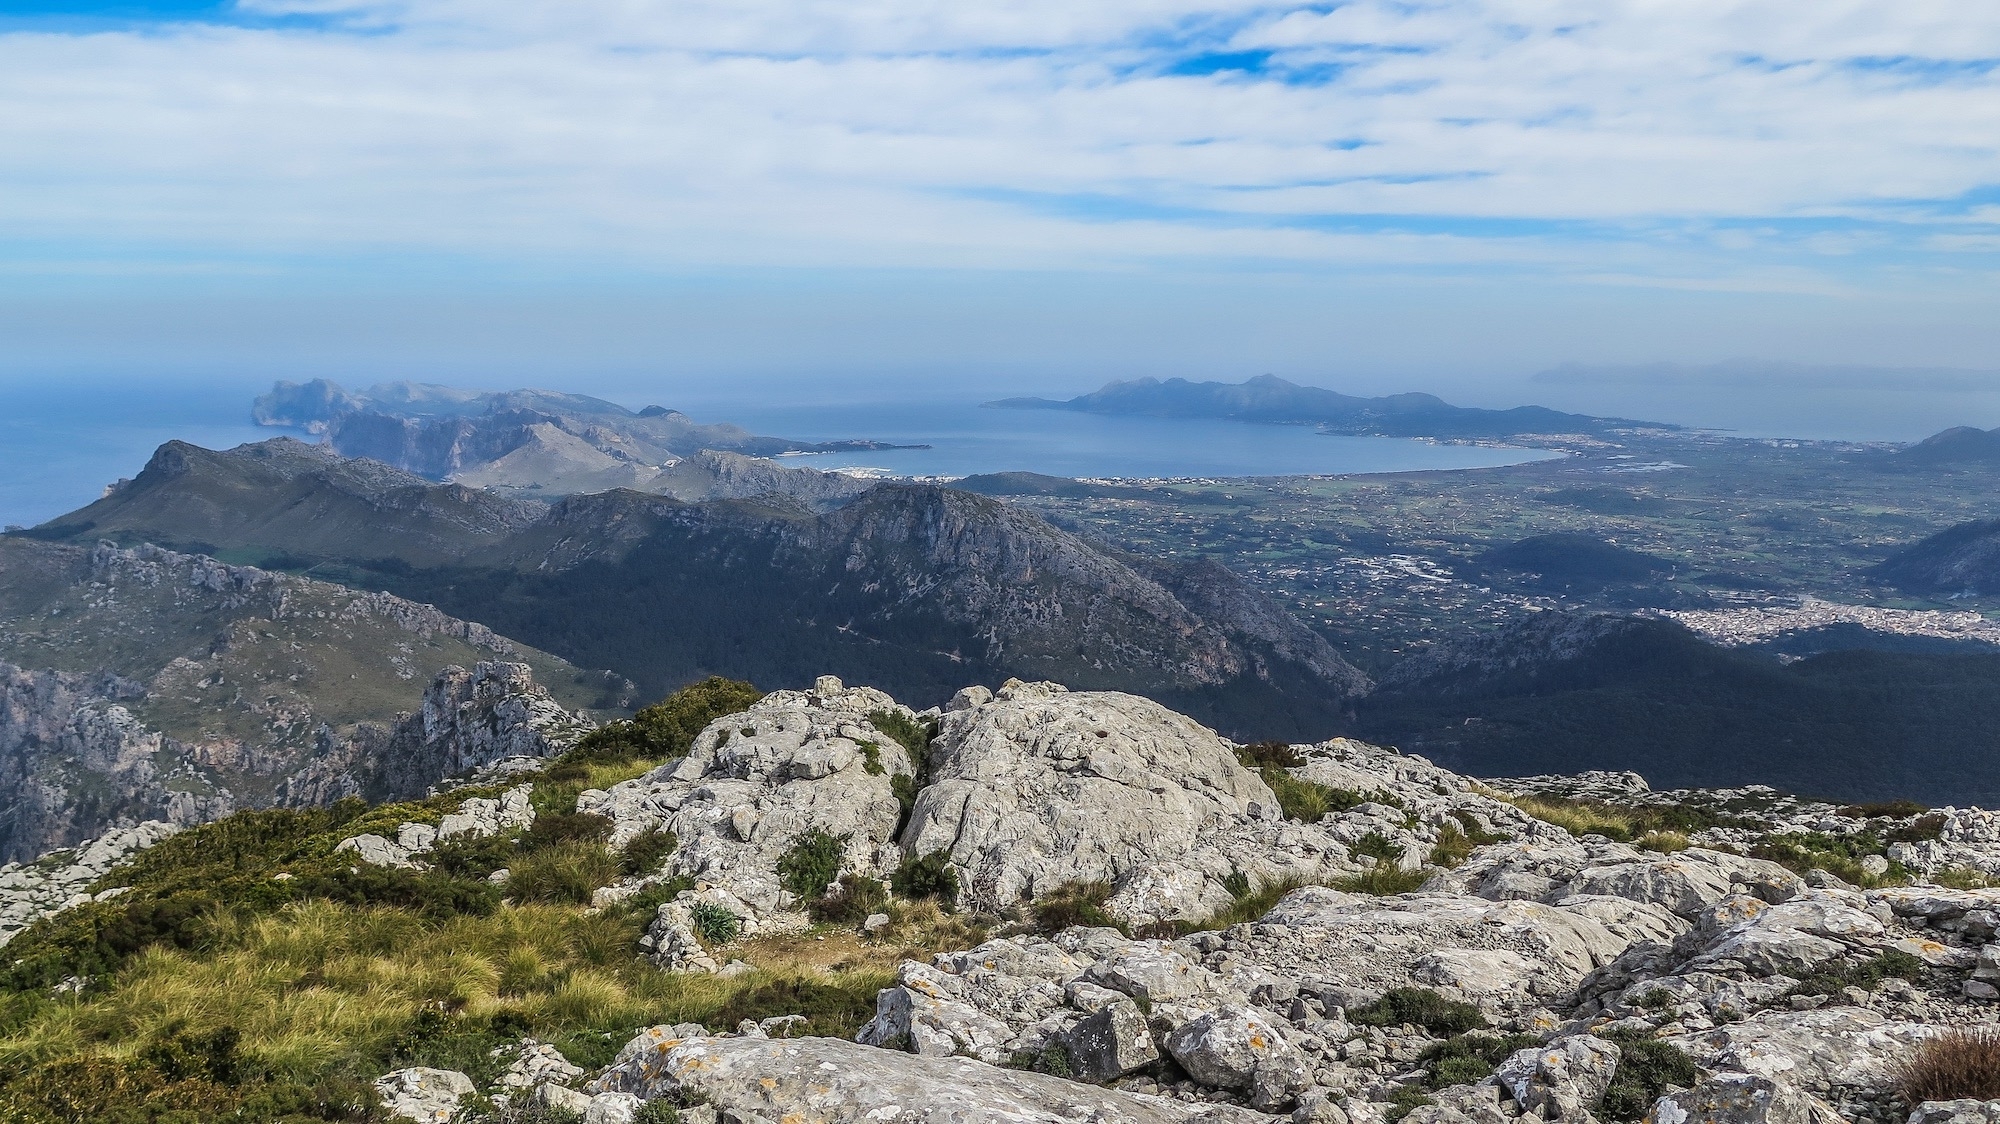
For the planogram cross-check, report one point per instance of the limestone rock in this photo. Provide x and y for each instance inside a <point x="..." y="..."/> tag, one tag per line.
<point x="754" y="782"/>
<point x="1110" y="1043"/>
<point x="1042" y="786"/>
<point x="827" y="1079"/>
<point x="1742" y="1098"/>
<point x="1957" y="1112"/>
<point x="1561" y="1079"/>
<point x="1818" y="1051"/>
<point x="1239" y="1048"/>
<point x="60" y="880"/>
<point x="422" y="1094"/>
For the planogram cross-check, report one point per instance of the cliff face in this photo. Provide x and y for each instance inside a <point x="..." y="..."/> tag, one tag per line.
<point x="75" y="763"/>
<point x="148" y="684"/>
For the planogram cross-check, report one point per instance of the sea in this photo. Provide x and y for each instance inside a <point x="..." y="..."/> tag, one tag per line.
<point x="62" y="441"/>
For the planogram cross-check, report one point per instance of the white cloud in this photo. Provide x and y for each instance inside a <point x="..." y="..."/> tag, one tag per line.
<point x="1044" y="133"/>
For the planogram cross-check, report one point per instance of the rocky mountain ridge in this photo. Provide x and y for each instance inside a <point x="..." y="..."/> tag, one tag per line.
<point x="1268" y="398"/>
<point x="517" y="441"/>
<point x="914" y="586"/>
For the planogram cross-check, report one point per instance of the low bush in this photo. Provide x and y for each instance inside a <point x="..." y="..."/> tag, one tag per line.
<point x="1959" y="1064"/>
<point x="665" y="730"/>
<point x="1885" y="809"/>
<point x="851" y="901"/>
<point x="1838" y="855"/>
<point x="1962" y="878"/>
<point x="643" y="854"/>
<point x="1467" y="1058"/>
<point x="833" y="1008"/>
<point x="811" y="865"/>
<point x="1828" y="978"/>
<point x="1378" y="847"/>
<point x="927" y="876"/>
<point x="1419" y="1006"/>
<point x="909" y="733"/>
<point x="1665" y="842"/>
<point x="1383" y="880"/>
<point x="1919" y="830"/>
<point x="1269" y="755"/>
<point x="1452" y="847"/>
<point x="1647" y="1068"/>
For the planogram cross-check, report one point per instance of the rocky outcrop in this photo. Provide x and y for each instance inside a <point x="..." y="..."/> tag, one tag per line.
<point x="62" y="879"/>
<point x="825" y="1079"/>
<point x="752" y="786"/>
<point x="477" y="818"/>
<point x="491" y="715"/>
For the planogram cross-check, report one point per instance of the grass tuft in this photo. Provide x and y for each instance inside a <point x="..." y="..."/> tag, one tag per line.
<point x="1958" y="1064"/>
<point x="1419" y="1006"/>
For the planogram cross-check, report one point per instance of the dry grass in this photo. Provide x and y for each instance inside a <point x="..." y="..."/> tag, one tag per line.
<point x="1577" y="817"/>
<point x="1963" y="1062"/>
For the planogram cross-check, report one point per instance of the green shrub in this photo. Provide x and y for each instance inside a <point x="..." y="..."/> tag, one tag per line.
<point x="648" y="901"/>
<point x="643" y="854"/>
<point x="927" y="876"/>
<point x="1384" y="879"/>
<point x="1480" y="837"/>
<point x="1269" y="755"/>
<point x="812" y="863"/>
<point x="1074" y="903"/>
<point x="1919" y="830"/>
<point x="1419" y="1006"/>
<point x="1404" y="1101"/>
<point x="1838" y="855"/>
<point x="1466" y="1058"/>
<point x="851" y="901"/>
<point x="665" y="730"/>
<point x="1885" y="809"/>
<point x="713" y="923"/>
<point x="1827" y="978"/>
<point x="1962" y="878"/>
<point x="1647" y="1067"/>
<point x="833" y="1008"/>
<point x="871" y="759"/>
<point x="909" y="733"/>
<point x="1378" y="847"/>
<point x="657" y="1112"/>
<point x="905" y="790"/>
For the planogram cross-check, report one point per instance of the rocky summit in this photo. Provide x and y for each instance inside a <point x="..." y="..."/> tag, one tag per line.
<point x="1134" y="920"/>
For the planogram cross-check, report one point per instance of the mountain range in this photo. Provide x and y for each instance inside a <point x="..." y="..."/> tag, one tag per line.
<point x="1268" y="398"/>
<point x="919" y="589"/>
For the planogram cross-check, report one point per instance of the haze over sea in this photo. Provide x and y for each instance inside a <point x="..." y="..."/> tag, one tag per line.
<point x="60" y="444"/>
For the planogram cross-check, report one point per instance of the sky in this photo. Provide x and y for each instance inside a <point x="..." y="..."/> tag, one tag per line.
<point x="1370" y="195"/>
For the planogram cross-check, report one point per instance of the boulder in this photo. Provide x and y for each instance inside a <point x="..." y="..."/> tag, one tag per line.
<point x="1816" y="1050"/>
<point x="1742" y="1098"/>
<point x="825" y="1079"/>
<point x="1562" y="1079"/>
<point x="1507" y="956"/>
<point x="1041" y="787"/>
<point x="1240" y="1048"/>
<point x="1956" y="1112"/>
<point x="423" y="1094"/>
<point x="755" y="781"/>
<point x="1110" y="1043"/>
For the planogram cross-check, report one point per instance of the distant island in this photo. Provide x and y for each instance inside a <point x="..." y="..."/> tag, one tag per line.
<point x="1270" y="399"/>
<point x="533" y="443"/>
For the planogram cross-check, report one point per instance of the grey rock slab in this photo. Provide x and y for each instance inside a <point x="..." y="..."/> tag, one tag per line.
<point x="1967" y="1111"/>
<point x="828" y="1081"/>
<point x="1043" y="786"/>
<point x="1742" y="1098"/>
<point x="1110" y="1043"/>
<point x="755" y="781"/>
<point x="1241" y="1048"/>
<point x="1562" y="1078"/>
<point x="1816" y="1050"/>
<point x="423" y="1094"/>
